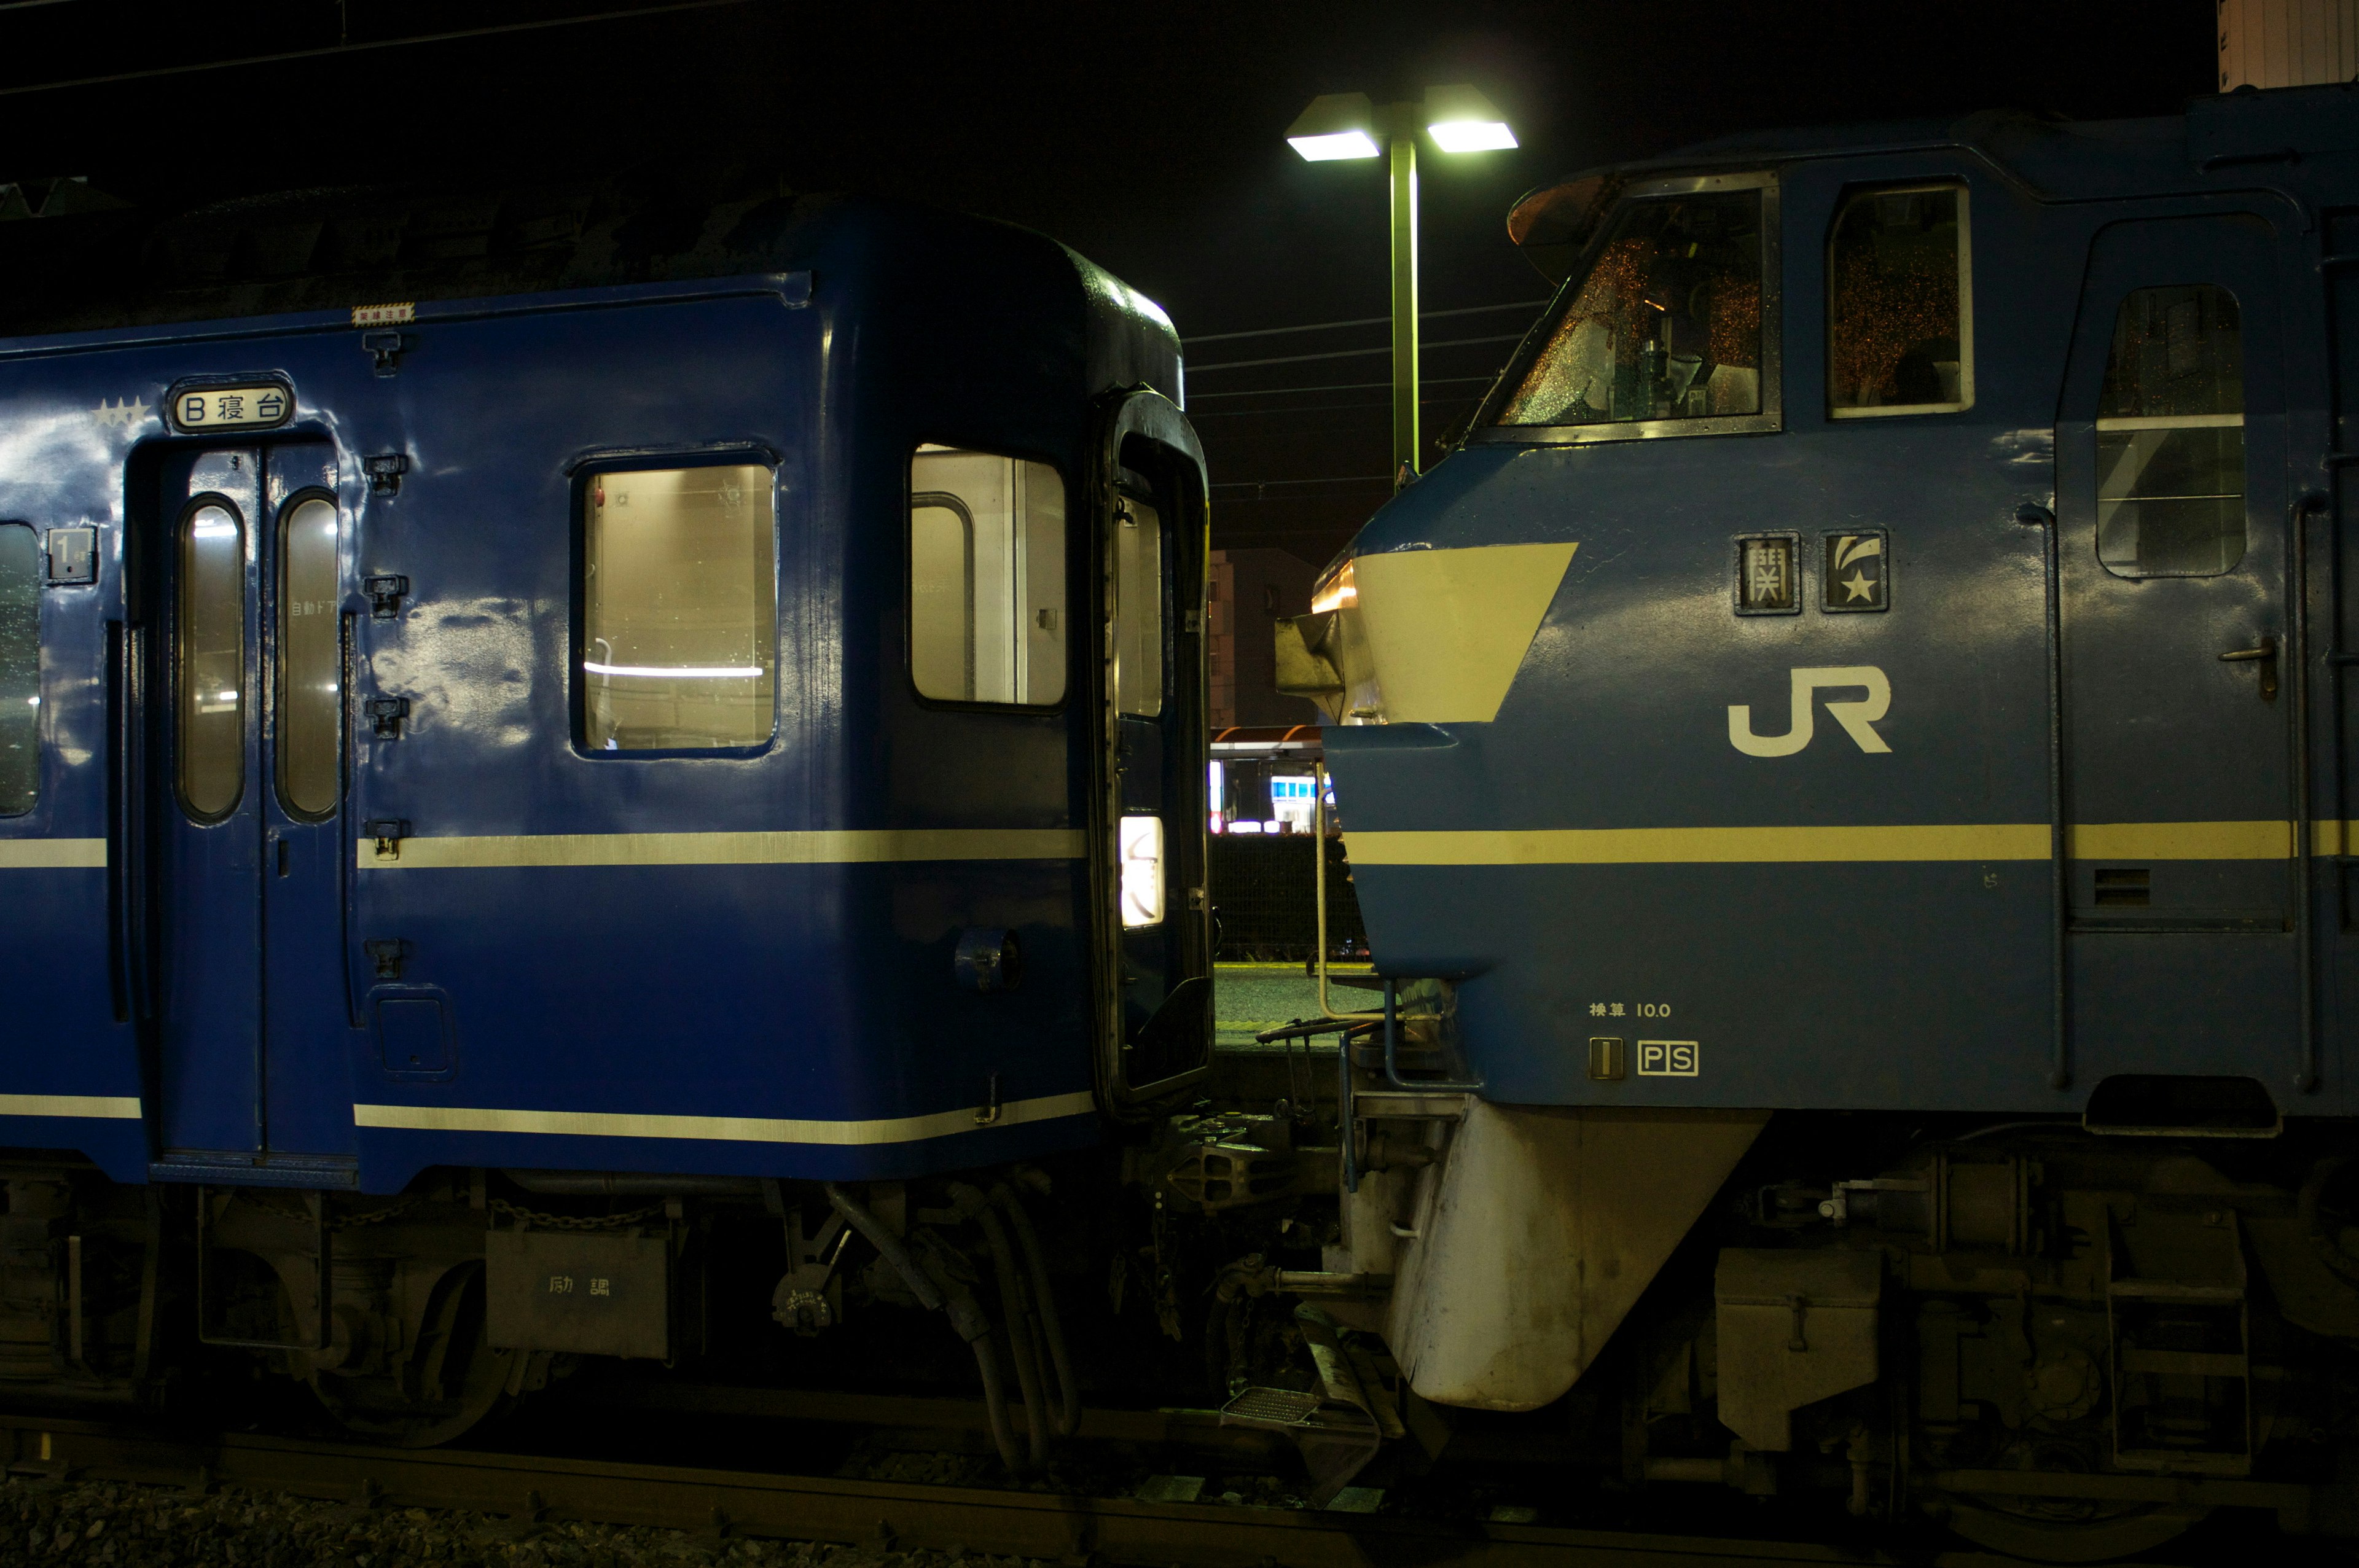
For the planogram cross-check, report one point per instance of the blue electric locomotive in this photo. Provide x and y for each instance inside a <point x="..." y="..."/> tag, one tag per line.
<point x="1877" y="661"/>
<point x="570" y="680"/>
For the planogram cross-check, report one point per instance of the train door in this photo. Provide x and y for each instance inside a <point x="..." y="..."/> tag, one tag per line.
<point x="2173" y="569"/>
<point x="249" y="692"/>
<point x="1152" y="559"/>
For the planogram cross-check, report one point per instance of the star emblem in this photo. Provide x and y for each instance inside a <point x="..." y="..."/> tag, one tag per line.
<point x="1857" y="586"/>
<point x="125" y="415"/>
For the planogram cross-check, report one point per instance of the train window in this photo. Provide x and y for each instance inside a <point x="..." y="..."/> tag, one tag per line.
<point x="680" y="626"/>
<point x="212" y="646"/>
<point x="20" y="668"/>
<point x="1900" y="314"/>
<point x="2170" y="435"/>
<point x="1137" y="610"/>
<point x="311" y="658"/>
<point x="1665" y="325"/>
<point x="986" y="578"/>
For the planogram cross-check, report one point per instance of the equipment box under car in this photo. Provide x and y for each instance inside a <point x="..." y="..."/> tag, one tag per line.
<point x="596" y="1294"/>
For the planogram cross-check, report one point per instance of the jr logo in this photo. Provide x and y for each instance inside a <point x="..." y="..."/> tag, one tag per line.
<point x="1854" y="717"/>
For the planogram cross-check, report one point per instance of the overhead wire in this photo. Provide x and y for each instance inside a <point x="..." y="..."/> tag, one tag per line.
<point x="1347" y="353"/>
<point x="1356" y="321"/>
<point x="340" y="49"/>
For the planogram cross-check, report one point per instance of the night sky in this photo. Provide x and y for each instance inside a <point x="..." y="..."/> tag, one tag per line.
<point x="1149" y="138"/>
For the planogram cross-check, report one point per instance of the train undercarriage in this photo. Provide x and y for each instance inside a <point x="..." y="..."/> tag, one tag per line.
<point x="2060" y="1346"/>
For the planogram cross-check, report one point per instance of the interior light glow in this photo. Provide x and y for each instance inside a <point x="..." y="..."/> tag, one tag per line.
<point x="1335" y="145"/>
<point x="34" y="701"/>
<point x="676" y="671"/>
<point x="1471" y="136"/>
<point x="1241" y="825"/>
<point x="1336" y="590"/>
<point x="225" y="696"/>
<point x="1139" y="847"/>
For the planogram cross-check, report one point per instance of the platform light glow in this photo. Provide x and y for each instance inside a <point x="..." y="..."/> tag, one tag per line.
<point x="1335" y="144"/>
<point x="1335" y="125"/>
<point x="1461" y="120"/>
<point x="1471" y="136"/>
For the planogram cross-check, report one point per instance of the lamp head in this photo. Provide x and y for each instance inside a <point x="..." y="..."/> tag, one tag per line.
<point x="1336" y="126"/>
<point x="1460" y="120"/>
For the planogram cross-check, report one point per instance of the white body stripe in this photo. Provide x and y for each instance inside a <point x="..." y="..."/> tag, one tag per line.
<point x="716" y="1128"/>
<point x="822" y="848"/>
<point x="107" y="1107"/>
<point x="52" y="854"/>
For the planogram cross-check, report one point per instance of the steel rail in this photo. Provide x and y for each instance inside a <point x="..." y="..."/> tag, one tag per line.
<point x="1062" y="1530"/>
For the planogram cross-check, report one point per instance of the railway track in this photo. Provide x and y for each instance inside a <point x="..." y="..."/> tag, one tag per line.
<point x="1063" y="1530"/>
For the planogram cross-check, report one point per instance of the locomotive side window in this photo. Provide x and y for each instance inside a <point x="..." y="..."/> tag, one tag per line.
<point x="1900" y="305"/>
<point x="1137" y="610"/>
<point x="20" y="668"/>
<point x="986" y="578"/>
<point x="1666" y="325"/>
<point x="2170" y="435"/>
<point x="680" y="627"/>
<point x="311" y="658"/>
<point x="212" y="649"/>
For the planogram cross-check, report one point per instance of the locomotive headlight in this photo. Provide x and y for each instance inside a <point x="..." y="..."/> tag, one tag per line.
<point x="1139" y="847"/>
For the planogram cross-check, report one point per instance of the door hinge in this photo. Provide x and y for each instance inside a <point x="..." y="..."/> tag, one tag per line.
<point x="386" y="349"/>
<point x="386" y="713"/>
<point x="384" y="470"/>
<point x="386" y="594"/>
<point x="386" y="952"/>
<point x="388" y="832"/>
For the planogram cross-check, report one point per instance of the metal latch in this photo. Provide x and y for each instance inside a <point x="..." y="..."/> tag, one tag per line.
<point x="388" y="832"/>
<point x="384" y="470"/>
<point x="386" y="952"/>
<point x="386" y="713"/>
<point x="386" y="594"/>
<point x="2263" y="652"/>
<point x="387" y="348"/>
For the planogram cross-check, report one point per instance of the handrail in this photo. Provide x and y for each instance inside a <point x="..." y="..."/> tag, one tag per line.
<point x="2303" y="507"/>
<point x="2031" y="515"/>
<point x="1392" y="1056"/>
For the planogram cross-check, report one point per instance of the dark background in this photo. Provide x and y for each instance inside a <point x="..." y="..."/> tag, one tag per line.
<point x="1148" y="136"/>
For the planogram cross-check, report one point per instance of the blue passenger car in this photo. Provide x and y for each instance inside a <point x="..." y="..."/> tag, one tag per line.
<point x="581" y="680"/>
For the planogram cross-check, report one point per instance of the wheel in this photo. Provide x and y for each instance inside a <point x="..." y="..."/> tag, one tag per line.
<point x="450" y="1382"/>
<point x="2069" y="1530"/>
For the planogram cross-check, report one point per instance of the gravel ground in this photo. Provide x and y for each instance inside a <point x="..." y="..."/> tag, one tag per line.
<point x="44" y="1522"/>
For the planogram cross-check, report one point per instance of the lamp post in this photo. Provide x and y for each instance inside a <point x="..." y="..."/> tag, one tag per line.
<point x="1347" y="126"/>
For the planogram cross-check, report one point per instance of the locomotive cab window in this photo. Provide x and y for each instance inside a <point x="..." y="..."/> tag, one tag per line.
<point x="680" y="626"/>
<point x="986" y="578"/>
<point x="1668" y="323"/>
<point x="2170" y="435"/>
<point x="20" y="668"/>
<point x="1900" y="317"/>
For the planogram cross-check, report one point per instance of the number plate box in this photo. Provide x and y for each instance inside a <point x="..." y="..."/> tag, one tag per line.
<point x="592" y="1293"/>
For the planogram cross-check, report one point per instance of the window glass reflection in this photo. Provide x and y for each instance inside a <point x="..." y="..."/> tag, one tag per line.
<point x="2170" y="435"/>
<point x="211" y="633"/>
<point x="310" y="653"/>
<point x="986" y="578"/>
<point x="680" y="623"/>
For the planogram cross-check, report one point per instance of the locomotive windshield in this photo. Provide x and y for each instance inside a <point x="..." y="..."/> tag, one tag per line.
<point x="1667" y="324"/>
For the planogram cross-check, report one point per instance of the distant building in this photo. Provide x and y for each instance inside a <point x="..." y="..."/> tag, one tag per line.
<point x="2288" y="43"/>
<point x="1250" y="590"/>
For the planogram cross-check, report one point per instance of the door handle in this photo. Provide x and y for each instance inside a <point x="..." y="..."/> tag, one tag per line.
<point x="2264" y="653"/>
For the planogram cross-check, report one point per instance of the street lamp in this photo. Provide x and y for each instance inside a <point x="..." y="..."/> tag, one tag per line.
<point x="1347" y="126"/>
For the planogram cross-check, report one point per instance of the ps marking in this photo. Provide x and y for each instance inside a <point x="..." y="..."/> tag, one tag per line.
<point x="1670" y="1059"/>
